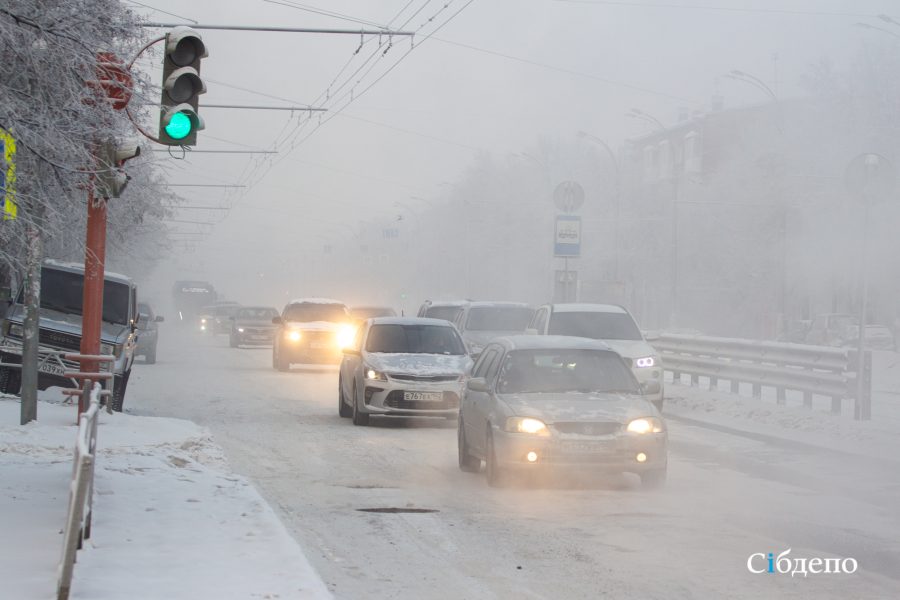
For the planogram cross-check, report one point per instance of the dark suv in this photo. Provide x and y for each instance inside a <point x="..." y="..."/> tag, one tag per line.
<point x="314" y="330"/>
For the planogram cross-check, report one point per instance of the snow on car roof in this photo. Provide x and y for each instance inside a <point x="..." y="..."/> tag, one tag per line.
<point x="315" y="301"/>
<point x="500" y="303"/>
<point x="551" y="342"/>
<point x="431" y="303"/>
<point x="410" y="321"/>
<point x="79" y="268"/>
<point x="586" y="307"/>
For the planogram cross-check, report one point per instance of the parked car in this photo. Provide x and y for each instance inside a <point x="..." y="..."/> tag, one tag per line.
<point x="402" y="366"/>
<point x="147" y="333"/>
<point x="442" y="309"/>
<point x="556" y="402"/>
<point x="252" y="326"/>
<point x="877" y="337"/>
<point x="311" y="330"/>
<point x="62" y="289"/>
<point x="831" y="329"/>
<point x="480" y="322"/>
<point x="216" y="318"/>
<point x="360" y="313"/>
<point x="610" y="323"/>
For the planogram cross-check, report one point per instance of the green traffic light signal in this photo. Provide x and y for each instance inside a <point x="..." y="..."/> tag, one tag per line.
<point x="179" y="126"/>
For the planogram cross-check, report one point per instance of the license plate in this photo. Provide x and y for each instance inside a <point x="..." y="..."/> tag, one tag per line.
<point x="51" y="369"/>
<point x="584" y="447"/>
<point x="423" y="396"/>
<point x="319" y="345"/>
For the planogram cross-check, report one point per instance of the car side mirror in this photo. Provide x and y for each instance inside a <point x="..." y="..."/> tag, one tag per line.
<point x="478" y="384"/>
<point x="159" y="319"/>
<point x="351" y="351"/>
<point x="277" y="320"/>
<point x="648" y="388"/>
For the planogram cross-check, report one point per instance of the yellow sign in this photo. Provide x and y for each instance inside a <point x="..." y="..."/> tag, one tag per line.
<point x="8" y="175"/>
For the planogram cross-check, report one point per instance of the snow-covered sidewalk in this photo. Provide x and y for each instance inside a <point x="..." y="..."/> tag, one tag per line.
<point x="170" y="518"/>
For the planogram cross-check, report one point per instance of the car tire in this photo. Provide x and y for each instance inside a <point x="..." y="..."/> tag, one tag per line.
<point x="232" y="341"/>
<point x="10" y="381"/>
<point x="150" y="356"/>
<point x="343" y="410"/>
<point x="467" y="462"/>
<point x="359" y="418"/>
<point x="653" y="480"/>
<point x="495" y="474"/>
<point x="118" y="392"/>
<point x="279" y="363"/>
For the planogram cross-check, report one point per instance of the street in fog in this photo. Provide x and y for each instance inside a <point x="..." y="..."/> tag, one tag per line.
<point x="727" y="498"/>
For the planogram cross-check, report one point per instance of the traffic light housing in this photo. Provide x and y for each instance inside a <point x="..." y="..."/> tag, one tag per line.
<point x="111" y="177"/>
<point x="179" y="119"/>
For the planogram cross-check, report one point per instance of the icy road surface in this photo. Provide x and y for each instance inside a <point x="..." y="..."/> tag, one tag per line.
<point x="728" y="497"/>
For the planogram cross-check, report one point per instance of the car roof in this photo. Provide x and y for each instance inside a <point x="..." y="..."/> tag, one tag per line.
<point x="316" y="301"/>
<point x="432" y="303"/>
<point x="272" y="308"/>
<point x="550" y="342"/>
<point x="500" y="304"/>
<point x="73" y="267"/>
<point x="409" y="321"/>
<point x="587" y="307"/>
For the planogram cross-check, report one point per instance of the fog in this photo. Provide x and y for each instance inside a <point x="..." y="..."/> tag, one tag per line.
<point x="432" y="173"/>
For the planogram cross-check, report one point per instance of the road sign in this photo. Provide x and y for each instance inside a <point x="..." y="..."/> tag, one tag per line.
<point x="8" y="175"/>
<point x="568" y="236"/>
<point x="568" y="196"/>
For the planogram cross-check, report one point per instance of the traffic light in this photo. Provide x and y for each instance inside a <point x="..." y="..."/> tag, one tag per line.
<point x="111" y="177"/>
<point x="179" y="120"/>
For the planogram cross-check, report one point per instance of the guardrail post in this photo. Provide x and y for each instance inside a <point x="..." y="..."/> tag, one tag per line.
<point x="807" y="399"/>
<point x="713" y="383"/>
<point x="735" y="386"/>
<point x="836" y="405"/>
<point x="757" y="390"/>
<point x="863" y="408"/>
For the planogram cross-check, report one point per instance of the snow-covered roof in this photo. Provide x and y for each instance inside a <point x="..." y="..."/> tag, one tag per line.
<point x="586" y="307"/>
<point x="497" y="303"/>
<point x="410" y="321"/>
<point x="315" y="301"/>
<point x="79" y="268"/>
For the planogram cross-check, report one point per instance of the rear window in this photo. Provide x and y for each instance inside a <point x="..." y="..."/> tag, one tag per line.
<point x="310" y="312"/>
<point x="447" y="313"/>
<point x="596" y="325"/>
<point x="498" y="318"/>
<point x="257" y="313"/>
<point x="414" y="339"/>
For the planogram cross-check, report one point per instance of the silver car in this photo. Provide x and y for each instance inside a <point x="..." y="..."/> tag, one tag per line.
<point x="402" y="366"/>
<point x="558" y="402"/>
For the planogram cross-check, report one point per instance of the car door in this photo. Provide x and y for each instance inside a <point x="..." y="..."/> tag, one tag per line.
<point x="479" y="403"/>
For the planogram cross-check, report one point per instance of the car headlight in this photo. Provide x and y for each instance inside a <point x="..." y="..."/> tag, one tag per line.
<point x="240" y="330"/>
<point x="16" y="330"/>
<point x="375" y="375"/>
<point x="645" y="361"/>
<point x="345" y="336"/>
<point x="526" y="425"/>
<point x="203" y="321"/>
<point x="645" y="425"/>
<point x="293" y="335"/>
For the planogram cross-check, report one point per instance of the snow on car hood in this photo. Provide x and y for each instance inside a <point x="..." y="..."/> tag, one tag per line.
<point x="577" y="406"/>
<point x="631" y="348"/>
<point x="419" y="364"/>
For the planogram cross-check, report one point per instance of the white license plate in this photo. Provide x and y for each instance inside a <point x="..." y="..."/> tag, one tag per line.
<point x="319" y="345"/>
<point x="585" y="447"/>
<point x="52" y="369"/>
<point x="423" y="396"/>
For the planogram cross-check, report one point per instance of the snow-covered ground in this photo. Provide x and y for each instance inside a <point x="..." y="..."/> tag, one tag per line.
<point x="175" y="520"/>
<point x="171" y="521"/>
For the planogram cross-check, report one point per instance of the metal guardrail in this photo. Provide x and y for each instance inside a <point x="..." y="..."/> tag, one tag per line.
<point x="812" y="370"/>
<point x="81" y="489"/>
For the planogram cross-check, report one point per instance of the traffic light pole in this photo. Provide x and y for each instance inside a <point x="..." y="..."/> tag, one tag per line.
<point x="94" y="265"/>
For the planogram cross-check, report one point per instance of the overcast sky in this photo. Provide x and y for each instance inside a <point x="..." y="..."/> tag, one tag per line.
<point x="492" y="77"/>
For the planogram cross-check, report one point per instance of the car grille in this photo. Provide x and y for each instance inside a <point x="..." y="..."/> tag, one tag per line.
<point x="450" y="401"/>
<point x="437" y="378"/>
<point x="587" y="427"/>
<point x="257" y="331"/>
<point x="57" y="339"/>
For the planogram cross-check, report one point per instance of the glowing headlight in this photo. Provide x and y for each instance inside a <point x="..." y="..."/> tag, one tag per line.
<point x="345" y="336"/>
<point x="240" y="330"/>
<point x="294" y="335"/>
<point x="375" y="375"/>
<point x="526" y="425"/>
<point x="645" y="361"/>
<point x="16" y="330"/>
<point x="203" y="321"/>
<point x="645" y="425"/>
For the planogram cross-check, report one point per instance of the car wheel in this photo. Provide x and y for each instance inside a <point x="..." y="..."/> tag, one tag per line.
<point x="359" y="417"/>
<point x="280" y="363"/>
<point x="467" y="462"/>
<point x="118" y="392"/>
<point x="150" y="357"/>
<point x="10" y="381"/>
<point x="655" y="479"/>
<point x="343" y="410"/>
<point x="493" y="471"/>
<point x="232" y="341"/>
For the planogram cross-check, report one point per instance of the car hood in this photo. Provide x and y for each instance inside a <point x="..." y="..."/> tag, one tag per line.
<point x="631" y="348"/>
<point x="576" y="406"/>
<point x="316" y="325"/>
<point x="418" y="364"/>
<point x="69" y="323"/>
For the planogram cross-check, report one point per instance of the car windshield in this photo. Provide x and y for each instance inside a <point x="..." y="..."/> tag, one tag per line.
<point x="447" y="313"/>
<point x="309" y="312"/>
<point x="561" y="370"/>
<point x="414" y="339"/>
<point x="257" y="313"/>
<point x="498" y="318"/>
<point x="368" y="312"/>
<point x="596" y="325"/>
<point x="63" y="291"/>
